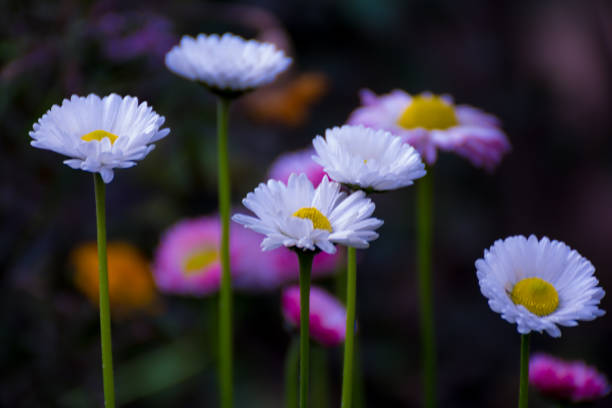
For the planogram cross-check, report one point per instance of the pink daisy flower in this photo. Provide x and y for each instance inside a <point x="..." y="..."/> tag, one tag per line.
<point x="187" y="260"/>
<point x="572" y="381"/>
<point x="297" y="162"/>
<point x="430" y="122"/>
<point x="327" y="314"/>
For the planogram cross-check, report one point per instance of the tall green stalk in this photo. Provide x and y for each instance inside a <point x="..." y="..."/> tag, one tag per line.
<point x="424" y="222"/>
<point x="349" y="342"/>
<point x="524" y="381"/>
<point x="105" y="318"/>
<point x="358" y="400"/>
<point x="225" y="293"/>
<point x="305" y="259"/>
<point x="291" y="374"/>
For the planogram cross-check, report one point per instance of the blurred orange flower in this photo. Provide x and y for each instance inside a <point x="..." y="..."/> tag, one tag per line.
<point x="130" y="281"/>
<point x="288" y="104"/>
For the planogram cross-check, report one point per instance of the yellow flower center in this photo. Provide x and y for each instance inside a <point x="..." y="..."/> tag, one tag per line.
<point x="537" y="295"/>
<point x="319" y="221"/>
<point x="99" y="135"/>
<point x="199" y="260"/>
<point x="429" y="112"/>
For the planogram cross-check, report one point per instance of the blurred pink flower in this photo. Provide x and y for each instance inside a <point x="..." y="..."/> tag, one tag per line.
<point x="187" y="258"/>
<point x="327" y="314"/>
<point x="255" y="270"/>
<point x="429" y="122"/>
<point x="187" y="261"/>
<point x="561" y="380"/>
<point x="297" y="162"/>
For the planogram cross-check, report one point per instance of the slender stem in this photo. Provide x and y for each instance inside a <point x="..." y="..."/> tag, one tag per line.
<point x="291" y="374"/>
<point x="424" y="222"/>
<point x="524" y="381"/>
<point x="105" y="318"/>
<point x="225" y="295"/>
<point x="305" y="259"/>
<point x="349" y="355"/>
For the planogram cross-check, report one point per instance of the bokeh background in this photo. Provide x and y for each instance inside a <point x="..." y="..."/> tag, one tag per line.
<point x="543" y="67"/>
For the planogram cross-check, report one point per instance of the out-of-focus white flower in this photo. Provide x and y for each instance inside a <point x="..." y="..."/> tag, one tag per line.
<point x="228" y="63"/>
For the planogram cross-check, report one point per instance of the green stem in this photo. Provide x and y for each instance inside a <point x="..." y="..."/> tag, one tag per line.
<point x="291" y="374"/>
<point x="424" y="222"/>
<point x="305" y="258"/>
<point x="349" y="355"/>
<point x="225" y="295"/>
<point x="524" y="381"/>
<point x="105" y="318"/>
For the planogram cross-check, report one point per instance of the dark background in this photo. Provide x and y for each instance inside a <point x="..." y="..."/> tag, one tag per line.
<point x="543" y="67"/>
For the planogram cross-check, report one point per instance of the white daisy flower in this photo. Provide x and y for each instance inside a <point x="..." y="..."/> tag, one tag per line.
<point x="99" y="134"/>
<point x="367" y="159"/>
<point x="539" y="284"/>
<point x="298" y="215"/>
<point x="228" y="63"/>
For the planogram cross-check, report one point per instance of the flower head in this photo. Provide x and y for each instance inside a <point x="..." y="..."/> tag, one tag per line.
<point x="298" y="215"/>
<point x="367" y="158"/>
<point x="430" y="122"/>
<point x="187" y="261"/>
<point x="297" y="162"/>
<point x="539" y="284"/>
<point x="228" y="63"/>
<point x="187" y="258"/>
<point x="327" y="314"/>
<point x="99" y="134"/>
<point x="130" y="283"/>
<point x="572" y="381"/>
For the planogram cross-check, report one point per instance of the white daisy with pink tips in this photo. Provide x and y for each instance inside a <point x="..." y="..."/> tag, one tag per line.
<point x="432" y="122"/>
